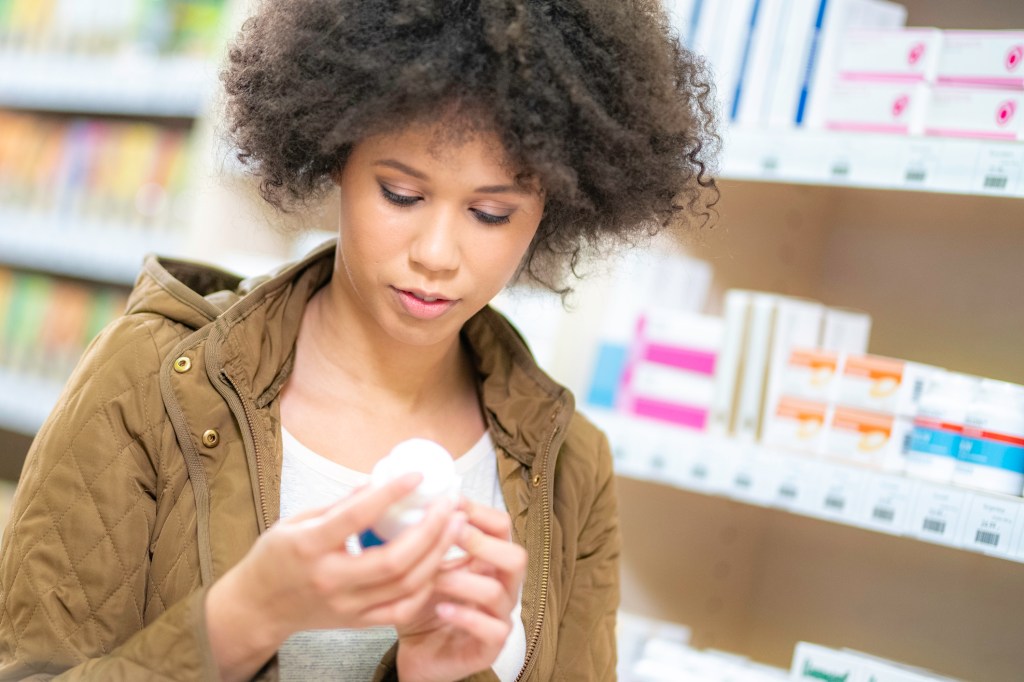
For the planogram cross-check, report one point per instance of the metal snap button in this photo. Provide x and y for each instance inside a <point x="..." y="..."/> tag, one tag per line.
<point x="536" y="480"/>
<point x="211" y="438"/>
<point x="182" y="364"/>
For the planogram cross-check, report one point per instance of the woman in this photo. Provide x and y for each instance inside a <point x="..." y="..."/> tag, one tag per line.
<point x="178" y="516"/>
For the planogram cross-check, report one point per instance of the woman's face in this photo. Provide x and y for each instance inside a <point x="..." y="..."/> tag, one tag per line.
<point x="430" y="231"/>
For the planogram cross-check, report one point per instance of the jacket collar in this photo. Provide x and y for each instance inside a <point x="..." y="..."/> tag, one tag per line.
<point x="255" y="325"/>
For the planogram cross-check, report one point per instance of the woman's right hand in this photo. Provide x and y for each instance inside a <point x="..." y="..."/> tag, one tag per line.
<point x="299" y="576"/>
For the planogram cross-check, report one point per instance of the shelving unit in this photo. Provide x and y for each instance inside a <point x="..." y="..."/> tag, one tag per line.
<point x="874" y="161"/>
<point x="141" y="80"/>
<point x="95" y="251"/>
<point x="754" y="575"/>
<point x="755" y="550"/>
<point x="131" y="84"/>
<point x="818" y="488"/>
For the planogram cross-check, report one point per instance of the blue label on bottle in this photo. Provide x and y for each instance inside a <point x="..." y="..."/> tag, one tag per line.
<point x="935" y="442"/>
<point x="370" y="539"/>
<point x="991" y="453"/>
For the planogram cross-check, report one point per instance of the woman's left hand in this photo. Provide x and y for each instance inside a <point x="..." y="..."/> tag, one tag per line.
<point x="468" y="619"/>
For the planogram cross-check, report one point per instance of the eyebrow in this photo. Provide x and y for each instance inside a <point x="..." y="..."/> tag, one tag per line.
<point x="487" y="189"/>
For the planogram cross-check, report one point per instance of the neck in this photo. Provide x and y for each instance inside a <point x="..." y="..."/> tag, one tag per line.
<point x="336" y="343"/>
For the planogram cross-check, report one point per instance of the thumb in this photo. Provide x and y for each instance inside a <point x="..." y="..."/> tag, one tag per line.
<point x="357" y="512"/>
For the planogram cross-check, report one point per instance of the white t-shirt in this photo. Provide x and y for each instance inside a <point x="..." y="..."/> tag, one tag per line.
<point x="309" y="481"/>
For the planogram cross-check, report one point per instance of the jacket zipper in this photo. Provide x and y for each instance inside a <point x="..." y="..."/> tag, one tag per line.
<point x="545" y="570"/>
<point x="249" y="421"/>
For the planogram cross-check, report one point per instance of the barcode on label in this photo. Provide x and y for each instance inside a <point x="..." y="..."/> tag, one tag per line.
<point x="742" y="481"/>
<point x="699" y="471"/>
<point x="883" y="514"/>
<point x="995" y="182"/>
<point x="833" y="502"/>
<point x="787" y="491"/>
<point x="916" y="175"/>
<point x="934" y="526"/>
<point x="985" y="538"/>
<point x="840" y="170"/>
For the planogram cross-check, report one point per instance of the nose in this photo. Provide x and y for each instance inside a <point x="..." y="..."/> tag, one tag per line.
<point x="435" y="245"/>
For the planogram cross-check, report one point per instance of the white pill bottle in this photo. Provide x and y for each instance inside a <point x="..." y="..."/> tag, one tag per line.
<point x="434" y="464"/>
<point x="991" y="455"/>
<point x="938" y="426"/>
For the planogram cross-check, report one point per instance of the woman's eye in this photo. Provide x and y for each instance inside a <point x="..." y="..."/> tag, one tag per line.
<point x="490" y="218"/>
<point x="398" y="199"/>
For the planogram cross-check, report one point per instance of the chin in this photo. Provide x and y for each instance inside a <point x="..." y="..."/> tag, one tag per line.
<point x="423" y="333"/>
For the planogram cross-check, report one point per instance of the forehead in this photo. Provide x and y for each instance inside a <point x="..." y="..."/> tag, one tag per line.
<point x="453" y="143"/>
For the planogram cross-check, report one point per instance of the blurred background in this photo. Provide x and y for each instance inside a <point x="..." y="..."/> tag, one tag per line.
<point x="815" y="403"/>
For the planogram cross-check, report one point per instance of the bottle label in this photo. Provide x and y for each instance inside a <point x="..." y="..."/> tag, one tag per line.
<point x="993" y="450"/>
<point x="941" y="440"/>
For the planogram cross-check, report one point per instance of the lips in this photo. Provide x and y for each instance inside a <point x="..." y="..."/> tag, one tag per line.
<point x="423" y="305"/>
<point x="425" y="297"/>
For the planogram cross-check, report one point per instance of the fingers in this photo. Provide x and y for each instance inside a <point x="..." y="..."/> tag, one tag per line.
<point x="416" y="555"/>
<point x="396" y="601"/>
<point x="494" y="522"/>
<point x="507" y="558"/>
<point x="486" y="593"/>
<point x="355" y="513"/>
<point x="477" y="623"/>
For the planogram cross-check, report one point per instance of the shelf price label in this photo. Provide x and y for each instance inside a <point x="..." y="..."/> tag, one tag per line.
<point x="648" y="453"/>
<point x="998" y="170"/>
<point x="888" y="503"/>
<point x="937" y="515"/>
<point x="840" y="492"/>
<point x="920" y="165"/>
<point x="839" y="169"/>
<point x="743" y="479"/>
<point x="792" y="483"/>
<point x="723" y="459"/>
<point x="625" y="441"/>
<point x="755" y="478"/>
<point x="990" y="525"/>
<point x="671" y="454"/>
<point x="769" y="164"/>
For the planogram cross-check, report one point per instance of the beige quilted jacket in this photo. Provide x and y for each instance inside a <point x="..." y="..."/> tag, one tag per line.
<point x="161" y="464"/>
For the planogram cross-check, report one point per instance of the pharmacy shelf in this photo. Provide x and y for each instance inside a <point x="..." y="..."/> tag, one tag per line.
<point x="875" y="161"/>
<point x="26" y="401"/>
<point x="826" y="489"/>
<point x="129" y="84"/>
<point x="82" y="249"/>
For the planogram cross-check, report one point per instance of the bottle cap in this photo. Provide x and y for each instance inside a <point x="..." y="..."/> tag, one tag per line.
<point x="433" y="463"/>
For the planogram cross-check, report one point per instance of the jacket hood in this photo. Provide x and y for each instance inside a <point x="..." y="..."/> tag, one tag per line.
<point x="193" y="293"/>
<point x="254" y="325"/>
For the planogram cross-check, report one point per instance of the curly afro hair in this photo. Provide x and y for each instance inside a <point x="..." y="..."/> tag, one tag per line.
<point x="595" y="101"/>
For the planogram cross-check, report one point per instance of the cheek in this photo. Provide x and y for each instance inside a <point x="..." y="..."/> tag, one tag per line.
<point x="367" y="235"/>
<point x="503" y="255"/>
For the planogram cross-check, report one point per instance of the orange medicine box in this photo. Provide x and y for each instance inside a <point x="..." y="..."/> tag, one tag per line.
<point x="881" y="384"/>
<point x="870" y="438"/>
<point x="796" y="425"/>
<point x="811" y="374"/>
